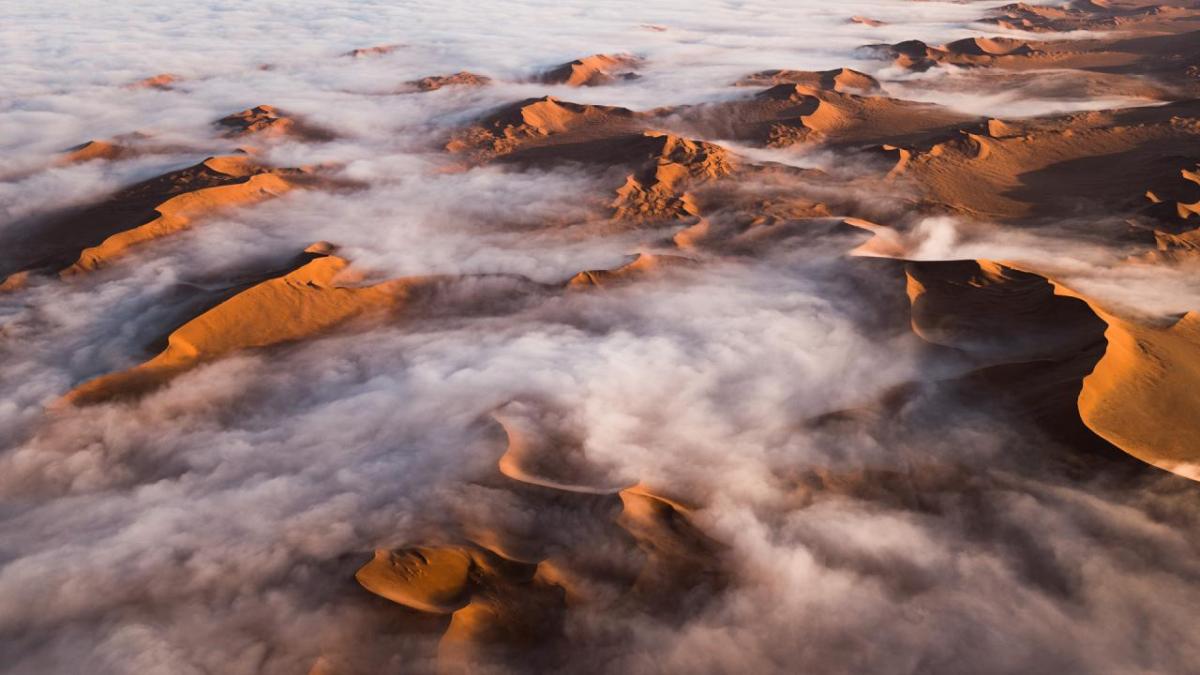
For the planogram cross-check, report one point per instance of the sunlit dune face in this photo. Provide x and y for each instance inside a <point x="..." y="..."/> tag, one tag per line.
<point x="600" y="338"/>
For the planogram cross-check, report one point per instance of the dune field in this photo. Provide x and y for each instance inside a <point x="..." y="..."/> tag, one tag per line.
<point x="512" y="337"/>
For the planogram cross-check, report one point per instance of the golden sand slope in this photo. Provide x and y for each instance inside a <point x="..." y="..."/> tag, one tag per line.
<point x="268" y="121"/>
<point x="643" y="265"/>
<point x="626" y="546"/>
<point x="1093" y="15"/>
<point x="162" y="81"/>
<point x="459" y="79"/>
<point x="1139" y="393"/>
<point x="838" y="79"/>
<point x="660" y="191"/>
<point x="592" y="71"/>
<point x="297" y="305"/>
<point x="83" y="239"/>
<point x="534" y="122"/>
<point x="1061" y="165"/>
<point x="789" y="114"/>
<point x="92" y="150"/>
<point x="179" y="212"/>
<point x="1144" y="394"/>
<point x="368" y="52"/>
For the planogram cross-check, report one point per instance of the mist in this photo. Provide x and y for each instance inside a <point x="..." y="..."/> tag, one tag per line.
<point x="215" y="524"/>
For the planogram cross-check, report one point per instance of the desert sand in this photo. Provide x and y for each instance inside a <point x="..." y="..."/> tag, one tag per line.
<point x="554" y="528"/>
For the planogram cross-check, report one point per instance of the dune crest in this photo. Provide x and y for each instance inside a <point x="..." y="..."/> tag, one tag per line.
<point x="302" y="303"/>
<point x="1135" y="385"/>
<point x="1143" y="393"/>
<point x="659" y="192"/>
<point x="79" y="240"/>
<point x="838" y="79"/>
<point x="544" y="450"/>
<point x="460" y="79"/>
<point x="977" y="51"/>
<point x="533" y="121"/>
<point x="269" y="122"/>
<point x="1014" y="169"/>
<point x="789" y="114"/>
<point x="179" y="212"/>
<point x="368" y="52"/>
<point x="643" y="265"/>
<point x="592" y="71"/>
<point x="162" y="82"/>
<point x="93" y="150"/>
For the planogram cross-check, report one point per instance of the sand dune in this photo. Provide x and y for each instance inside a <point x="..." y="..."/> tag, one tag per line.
<point x="838" y="79"/>
<point x="867" y="21"/>
<point x="302" y="303"/>
<point x="592" y="71"/>
<point x="643" y="265"/>
<point x="543" y="451"/>
<point x="1143" y="391"/>
<point x="789" y="114"/>
<point x="1084" y="15"/>
<point x="1133" y="391"/>
<point x="542" y="132"/>
<point x="459" y="79"/>
<point x="162" y="81"/>
<point x="92" y="150"/>
<point x="368" y="52"/>
<point x="268" y="121"/>
<point x="504" y="608"/>
<point x="179" y="212"/>
<point x="978" y="51"/>
<point x="1012" y="169"/>
<point x="536" y="121"/>
<point x="777" y="418"/>
<point x="81" y="240"/>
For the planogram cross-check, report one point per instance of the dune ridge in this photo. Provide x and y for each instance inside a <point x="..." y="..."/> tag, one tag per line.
<point x="592" y="71"/>
<point x="179" y="212"/>
<point x="517" y="606"/>
<point x="309" y="300"/>
<point x="1134" y="382"/>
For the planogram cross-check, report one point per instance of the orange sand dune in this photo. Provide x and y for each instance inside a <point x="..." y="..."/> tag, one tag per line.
<point x="1136" y="384"/>
<point x="367" y="52"/>
<point x="493" y="602"/>
<point x="1085" y="15"/>
<point x="92" y="150"/>
<point x="307" y="301"/>
<point x="536" y="121"/>
<point x="642" y="266"/>
<point x="1161" y="47"/>
<point x="659" y="192"/>
<point x="269" y="121"/>
<point x="542" y="450"/>
<point x="788" y="114"/>
<point x="545" y="131"/>
<point x="838" y="79"/>
<point x="459" y="79"/>
<point x="978" y="51"/>
<point x="592" y="71"/>
<point x="865" y="21"/>
<point x="80" y="239"/>
<point x="626" y="546"/>
<point x="179" y="212"/>
<point x="1174" y="202"/>
<point x="1143" y="394"/>
<point x="1062" y="165"/>
<point x="681" y="558"/>
<point x="748" y="224"/>
<point x="162" y="81"/>
<point x="426" y="579"/>
<point x="120" y="147"/>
